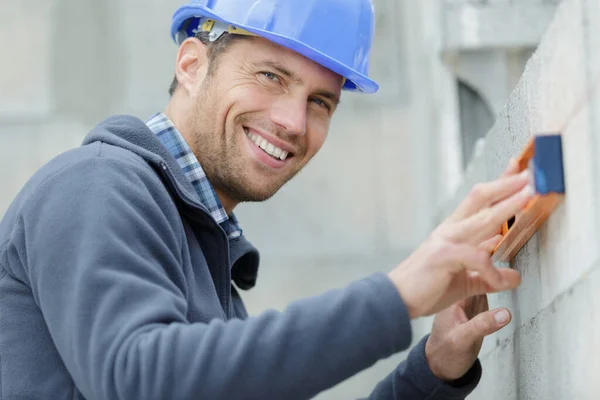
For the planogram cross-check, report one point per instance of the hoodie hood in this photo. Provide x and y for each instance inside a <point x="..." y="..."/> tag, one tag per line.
<point x="131" y="133"/>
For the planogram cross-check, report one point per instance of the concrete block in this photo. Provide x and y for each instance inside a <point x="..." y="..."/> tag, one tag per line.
<point x="499" y="374"/>
<point x="591" y="31"/>
<point x="570" y="237"/>
<point x="506" y="373"/>
<point x="591" y="13"/>
<point x="510" y="134"/>
<point x="594" y="284"/>
<point x="554" y="101"/>
<point x="533" y="355"/>
<point x="525" y="301"/>
<point x="495" y="24"/>
<point x="570" y="371"/>
<point x="25" y="81"/>
<point x="549" y="357"/>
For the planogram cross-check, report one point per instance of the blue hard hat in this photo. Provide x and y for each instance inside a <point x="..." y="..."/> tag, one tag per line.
<point x="336" y="34"/>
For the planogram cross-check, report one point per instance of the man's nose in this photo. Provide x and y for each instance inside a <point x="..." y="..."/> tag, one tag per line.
<point x="289" y="112"/>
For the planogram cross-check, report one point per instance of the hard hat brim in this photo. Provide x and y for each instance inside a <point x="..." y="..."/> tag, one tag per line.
<point x="355" y="81"/>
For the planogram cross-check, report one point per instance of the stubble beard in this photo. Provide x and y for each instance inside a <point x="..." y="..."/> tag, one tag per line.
<point x="227" y="174"/>
<point x="217" y="152"/>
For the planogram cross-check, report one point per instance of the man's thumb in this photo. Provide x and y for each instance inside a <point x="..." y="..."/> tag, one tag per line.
<point x="485" y="324"/>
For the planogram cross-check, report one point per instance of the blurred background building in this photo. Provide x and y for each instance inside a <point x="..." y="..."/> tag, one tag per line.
<point x="393" y="162"/>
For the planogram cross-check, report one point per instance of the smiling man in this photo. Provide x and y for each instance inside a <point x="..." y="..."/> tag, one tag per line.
<point x="252" y="111"/>
<point x="121" y="260"/>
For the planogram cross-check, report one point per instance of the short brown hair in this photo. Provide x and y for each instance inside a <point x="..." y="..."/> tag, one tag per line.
<point x="215" y="50"/>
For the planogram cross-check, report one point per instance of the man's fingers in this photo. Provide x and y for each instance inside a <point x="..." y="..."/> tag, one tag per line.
<point x="477" y="285"/>
<point x="482" y="325"/>
<point x="479" y="267"/>
<point x="490" y="244"/>
<point x="475" y="305"/>
<point x="483" y="195"/>
<point x="511" y="169"/>
<point x="485" y="223"/>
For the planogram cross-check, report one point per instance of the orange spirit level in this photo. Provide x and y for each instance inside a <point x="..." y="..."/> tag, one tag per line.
<point x="543" y="158"/>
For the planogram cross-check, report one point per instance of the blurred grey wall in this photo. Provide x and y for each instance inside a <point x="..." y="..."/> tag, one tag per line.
<point x="361" y="206"/>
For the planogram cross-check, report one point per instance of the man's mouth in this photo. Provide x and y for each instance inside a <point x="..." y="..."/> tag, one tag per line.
<point x="267" y="147"/>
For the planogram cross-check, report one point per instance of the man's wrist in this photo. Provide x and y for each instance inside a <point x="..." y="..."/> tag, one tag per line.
<point x="397" y="281"/>
<point x="433" y="365"/>
<point x="468" y="377"/>
<point x="429" y="383"/>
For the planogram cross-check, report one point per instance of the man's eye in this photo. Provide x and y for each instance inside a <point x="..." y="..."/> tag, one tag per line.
<point x="271" y="76"/>
<point x="322" y="103"/>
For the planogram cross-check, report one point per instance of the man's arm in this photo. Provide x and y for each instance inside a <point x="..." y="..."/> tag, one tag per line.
<point x="104" y="265"/>
<point x="414" y="380"/>
<point x="103" y="261"/>
<point x="458" y="331"/>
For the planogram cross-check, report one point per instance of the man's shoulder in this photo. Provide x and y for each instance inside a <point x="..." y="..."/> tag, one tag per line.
<point x="93" y="168"/>
<point x="92" y="160"/>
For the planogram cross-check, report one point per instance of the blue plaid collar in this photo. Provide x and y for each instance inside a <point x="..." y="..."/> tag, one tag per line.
<point x="172" y="139"/>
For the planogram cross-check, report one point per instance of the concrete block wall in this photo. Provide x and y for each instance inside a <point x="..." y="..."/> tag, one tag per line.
<point x="550" y="350"/>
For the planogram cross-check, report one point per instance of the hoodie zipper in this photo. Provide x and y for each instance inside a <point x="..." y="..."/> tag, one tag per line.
<point x="224" y="284"/>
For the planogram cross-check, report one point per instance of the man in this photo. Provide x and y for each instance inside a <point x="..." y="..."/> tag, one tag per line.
<point x="118" y="257"/>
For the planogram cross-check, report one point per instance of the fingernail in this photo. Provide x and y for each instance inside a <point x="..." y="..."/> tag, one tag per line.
<point x="501" y="317"/>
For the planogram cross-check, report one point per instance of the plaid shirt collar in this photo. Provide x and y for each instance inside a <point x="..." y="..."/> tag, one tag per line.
<point x="172" y="139"/>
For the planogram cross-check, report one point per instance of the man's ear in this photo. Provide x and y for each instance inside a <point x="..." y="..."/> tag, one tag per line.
<point x="192" y="64"/>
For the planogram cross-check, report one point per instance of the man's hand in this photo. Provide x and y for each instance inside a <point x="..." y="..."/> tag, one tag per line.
<point x="452" y="264"/>
<point x="457" y="336"/>
<point x="458" y="332"/>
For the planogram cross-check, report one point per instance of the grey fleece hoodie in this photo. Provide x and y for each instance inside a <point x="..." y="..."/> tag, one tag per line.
<point x="116" y="283"/>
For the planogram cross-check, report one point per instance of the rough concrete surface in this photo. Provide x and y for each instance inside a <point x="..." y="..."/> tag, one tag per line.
<point x="550" y="350"/>
<point x="552" y="356"/>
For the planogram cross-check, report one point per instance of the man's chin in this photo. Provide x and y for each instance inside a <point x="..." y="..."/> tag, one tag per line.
<point x="259" y="196"/>
<point x="254" y="194"/>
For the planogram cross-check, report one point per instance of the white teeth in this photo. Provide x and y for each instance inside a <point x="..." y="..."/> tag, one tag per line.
<point x="269" y="148"/>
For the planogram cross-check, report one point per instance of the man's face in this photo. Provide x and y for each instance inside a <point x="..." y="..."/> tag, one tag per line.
<point x="259" y="117"/>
